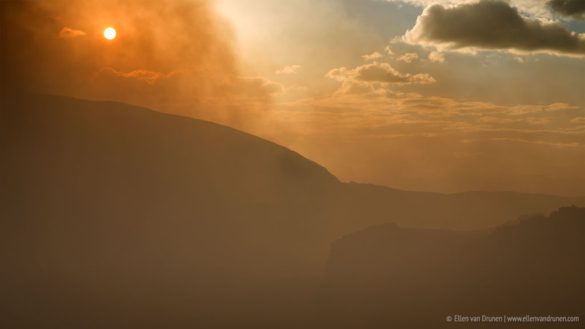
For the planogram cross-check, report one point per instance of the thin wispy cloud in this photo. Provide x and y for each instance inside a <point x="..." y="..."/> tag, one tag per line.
<point x="67" y="33"/>
<point x="287" y="70"/>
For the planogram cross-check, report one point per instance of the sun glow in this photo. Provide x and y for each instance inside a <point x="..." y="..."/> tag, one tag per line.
<point x="110" y="33"/>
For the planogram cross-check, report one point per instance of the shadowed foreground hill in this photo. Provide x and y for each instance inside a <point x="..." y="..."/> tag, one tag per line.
<point x="108" y="208"/>
<point x="116" y="210"/>
<point x="418" y="277"/>
<point x="84" y="173"/>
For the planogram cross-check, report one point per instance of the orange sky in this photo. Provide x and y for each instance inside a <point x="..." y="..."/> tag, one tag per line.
<point x="376" y="91"/>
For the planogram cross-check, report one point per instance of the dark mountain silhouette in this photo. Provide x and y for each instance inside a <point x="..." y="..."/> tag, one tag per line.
<point x="136" y="218"/>
<point x="416" y="278"/>
<point x="461" y="211"/>
<point x="131" y="218"/>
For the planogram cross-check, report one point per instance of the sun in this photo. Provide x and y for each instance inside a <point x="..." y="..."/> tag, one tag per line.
<point x="110" y="33"/>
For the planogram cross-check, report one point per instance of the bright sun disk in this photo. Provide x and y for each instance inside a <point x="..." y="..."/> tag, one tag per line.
<point x="110" y="33"/>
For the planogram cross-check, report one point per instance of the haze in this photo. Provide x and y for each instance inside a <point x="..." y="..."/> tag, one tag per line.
<point x="292" y="164"/>
<point x="364" y="88"/>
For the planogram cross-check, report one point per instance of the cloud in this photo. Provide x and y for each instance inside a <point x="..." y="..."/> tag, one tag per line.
<point x="372" y="57"/>
<point x="571" y="8"/>
<point x="378" y="72"/>
<point x="290" y="69"/>
<point x="408" y="57"/>
<point x="436" y="57"/>
<point x="491" y="24"/>
<point x="252" y="84"/>
<point x="519" y="60"/>
<point x="149" y="77"/>
<point x="68" y="33"/>
<point x="534" y="8"/>
<point x="410" y="114"/>
<point x="465" y="140"/>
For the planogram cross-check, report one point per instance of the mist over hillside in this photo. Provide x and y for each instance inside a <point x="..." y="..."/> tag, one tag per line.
<point x="416" y="278"/>
<point x="130" y="217"/>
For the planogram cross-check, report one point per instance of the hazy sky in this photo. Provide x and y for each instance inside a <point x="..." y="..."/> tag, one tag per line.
<point x="417" y="94"/>
<point x="462" y="95"/>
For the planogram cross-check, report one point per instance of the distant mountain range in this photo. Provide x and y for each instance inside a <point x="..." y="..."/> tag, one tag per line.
<point x="531" y="266"/>
<point x="114" y="205"/>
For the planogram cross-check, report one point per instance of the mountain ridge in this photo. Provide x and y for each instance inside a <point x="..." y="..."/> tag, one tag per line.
<point x="114" y="207"/>
<point x="260" y="139"/>
<point x="130" y="134"/>
<point x="531" y="266"/>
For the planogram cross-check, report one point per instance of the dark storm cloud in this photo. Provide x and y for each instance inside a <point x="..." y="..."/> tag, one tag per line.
<point x="491" y="24"/>
<point x="571" y="8"/>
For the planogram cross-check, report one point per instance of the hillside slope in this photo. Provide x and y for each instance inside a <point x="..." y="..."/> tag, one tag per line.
<point x="146" y="184"/>
<point x="113" y="212"/>
<point x="135" y="218"/>
<point x="143" y="184"/>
